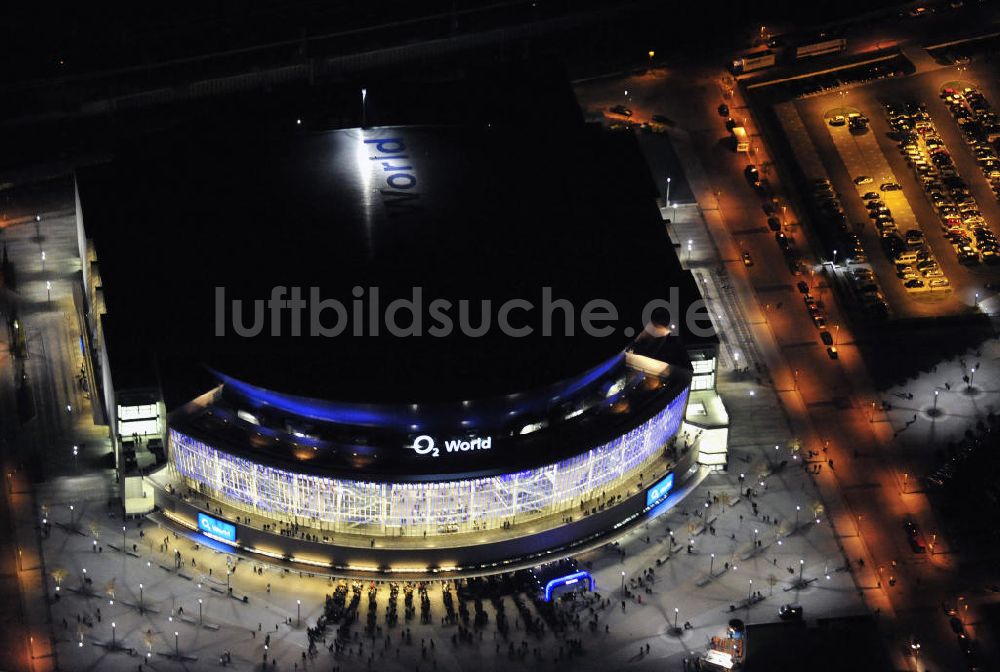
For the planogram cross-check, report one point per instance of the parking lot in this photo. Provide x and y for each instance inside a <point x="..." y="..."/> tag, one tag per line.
<point x="889" y="225"/>
<point x="946" y="190"/>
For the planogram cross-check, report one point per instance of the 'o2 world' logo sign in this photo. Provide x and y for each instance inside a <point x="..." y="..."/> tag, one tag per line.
<point x="426" y="445"/>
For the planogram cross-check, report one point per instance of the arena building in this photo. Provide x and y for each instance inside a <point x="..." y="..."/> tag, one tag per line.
<point x="397" y="445"/>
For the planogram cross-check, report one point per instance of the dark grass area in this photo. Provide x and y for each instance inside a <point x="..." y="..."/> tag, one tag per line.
<point x="975" y="486"/>
<point x="898" y="350"/>
<point x="787" y="646"/>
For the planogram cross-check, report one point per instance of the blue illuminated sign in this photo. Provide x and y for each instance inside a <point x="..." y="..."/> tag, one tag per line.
<point x="658" y="492"/>
<point x="216" y="528"/>
<point x="568" y="580"/>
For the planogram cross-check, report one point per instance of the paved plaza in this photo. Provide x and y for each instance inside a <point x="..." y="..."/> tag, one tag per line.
<point x="723" y="566"/>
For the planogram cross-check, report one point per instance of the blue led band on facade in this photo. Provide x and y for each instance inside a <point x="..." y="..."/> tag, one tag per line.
<point x="490" y="411"/>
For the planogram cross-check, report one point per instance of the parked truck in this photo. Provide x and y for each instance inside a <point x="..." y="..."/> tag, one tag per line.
<point x="741" y="139"/>
<point x="820" y="48"/>
<point x="751" y="62"/>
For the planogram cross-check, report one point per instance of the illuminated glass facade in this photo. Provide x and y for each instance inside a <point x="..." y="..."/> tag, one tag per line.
<point x="431" y="507"/>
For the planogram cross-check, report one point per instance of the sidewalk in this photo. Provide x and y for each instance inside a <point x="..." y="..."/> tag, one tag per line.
<point x="30" y="572"/>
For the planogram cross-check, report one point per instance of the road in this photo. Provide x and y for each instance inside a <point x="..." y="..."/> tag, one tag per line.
<point x="828" y="402"/>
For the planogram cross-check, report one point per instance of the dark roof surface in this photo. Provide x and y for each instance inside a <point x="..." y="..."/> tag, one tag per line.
<point x="491" y="212"/>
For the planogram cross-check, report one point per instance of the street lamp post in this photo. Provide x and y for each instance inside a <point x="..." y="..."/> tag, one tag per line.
<point x="972" y="376"/>
<point x="795" y="379"/>
<point x="200" y="620"/>
<point x="114" y="642"/>
<point x="667" y="197"/>
<point x="364" y="96"/>
<point x="48" y="290"/>
<point x="711" y="565"/>
<point x="676" y="615"/>
<point x="298" y="613"/>
<point x="936" y="393"/>
<point x="797" y="509"/>
<point x="802" y="564"/>
<point x="623" y="584"/>
<point x="835" y="258"/>
<point x="140" y="598"/>
<point x="177" y="645"/>
<point x="749" y="592"/>
<point x="123" y="538"/>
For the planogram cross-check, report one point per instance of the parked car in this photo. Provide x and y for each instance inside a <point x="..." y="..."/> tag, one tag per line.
<point x="621" y="110"/>
<point x="914" y="537"/>
<point x="747" y="259"/>
<point x="858" y="125"/>
<point x="863" y="179"/>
